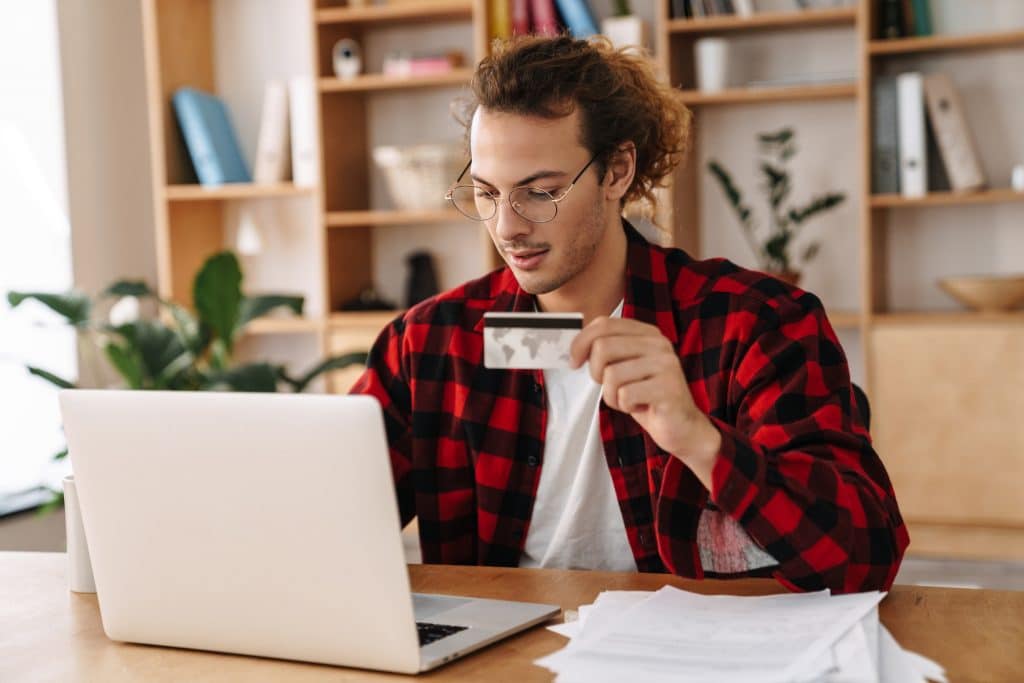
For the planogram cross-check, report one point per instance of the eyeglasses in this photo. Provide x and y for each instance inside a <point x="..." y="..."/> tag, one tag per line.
<point x="531" y="203"/>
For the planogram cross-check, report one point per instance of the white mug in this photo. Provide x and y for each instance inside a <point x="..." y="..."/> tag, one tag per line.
<point x="712" y="57"/>
<point x="1017" y="178"/>
<point x="79" y="565"/>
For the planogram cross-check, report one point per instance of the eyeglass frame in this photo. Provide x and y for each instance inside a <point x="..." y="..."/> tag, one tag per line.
<point x="448" y="194"/>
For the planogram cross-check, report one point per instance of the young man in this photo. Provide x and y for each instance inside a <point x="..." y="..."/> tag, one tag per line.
<point x="709" y="427"/>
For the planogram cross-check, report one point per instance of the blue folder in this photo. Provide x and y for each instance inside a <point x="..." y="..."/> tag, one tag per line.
<point x="210" y="138"/>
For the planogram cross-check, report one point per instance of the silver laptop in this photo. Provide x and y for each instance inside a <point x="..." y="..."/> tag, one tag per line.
<point x="260" y="524"/>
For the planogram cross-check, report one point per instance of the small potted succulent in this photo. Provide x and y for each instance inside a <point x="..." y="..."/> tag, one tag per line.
<point x="624" y="28"/>
<point x="774" y="247"/>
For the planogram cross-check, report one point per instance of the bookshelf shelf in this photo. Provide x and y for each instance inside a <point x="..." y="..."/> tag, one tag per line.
<point x="844" y="319"/>
<point x="374" y="82"/>
<point x="959" y="317"/>
<point x="831" y="91"/>
<point x="433" y="10"/>
<point x="895" y="201"/>
<point x="375" y="319"/>
<point x="981" y="41"/>
<point x="273" y="326"/>
<point x="193" y="193"/>
<point x="765" y="21"/>
<point x="349" y="219"/>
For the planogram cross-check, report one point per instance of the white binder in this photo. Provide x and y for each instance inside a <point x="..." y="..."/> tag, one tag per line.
<point x="912" y="136"/>
<point x="305" y="157"/>
<point x="273" y="156"/>
<point x="945" y="108"/>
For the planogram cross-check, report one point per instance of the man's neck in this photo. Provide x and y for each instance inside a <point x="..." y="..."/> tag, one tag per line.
<point x="599" y="288"/>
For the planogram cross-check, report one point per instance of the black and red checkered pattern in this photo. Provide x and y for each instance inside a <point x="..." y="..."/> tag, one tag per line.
<point x="797" y="469"/>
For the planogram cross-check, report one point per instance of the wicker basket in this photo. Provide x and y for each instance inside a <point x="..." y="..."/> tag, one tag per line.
<point x="419" y="175"/>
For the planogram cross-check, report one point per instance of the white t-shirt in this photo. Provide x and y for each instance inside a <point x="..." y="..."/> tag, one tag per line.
<point x="576" y="521"/>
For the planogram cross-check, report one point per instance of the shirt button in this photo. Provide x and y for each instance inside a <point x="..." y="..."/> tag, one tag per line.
<point x="622" y="461"/>
<point x="533" y="461"/>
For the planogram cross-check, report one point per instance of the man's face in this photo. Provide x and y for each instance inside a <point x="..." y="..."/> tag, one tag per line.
<point x="510" y="151"/>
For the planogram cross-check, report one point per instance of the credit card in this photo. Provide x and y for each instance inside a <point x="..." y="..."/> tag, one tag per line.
<point x="529" y="341"/>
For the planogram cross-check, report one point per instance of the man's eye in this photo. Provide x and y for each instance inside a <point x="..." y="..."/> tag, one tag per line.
<point x="480" y="192"/>
<point x="539" y="194"/>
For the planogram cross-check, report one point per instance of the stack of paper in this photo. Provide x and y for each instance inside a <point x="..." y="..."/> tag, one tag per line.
<point x="675" y="635"/>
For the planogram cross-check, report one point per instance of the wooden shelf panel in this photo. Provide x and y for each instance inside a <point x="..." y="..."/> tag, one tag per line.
<point x="831" y="91"/>
<point x="194" y="193"/>
<point x="765" y="21"/>
<point x="955" y="317"/>
<point x="343" y="319"/>
<point x="348" y="219"/>
<point x="844" y="319"/>
<point x="895" y="201"/>
<point x="293" y="325"/>
<point x="978" y="41"/>
<point x="376" y="82"/>
<point x="432" y="10"/>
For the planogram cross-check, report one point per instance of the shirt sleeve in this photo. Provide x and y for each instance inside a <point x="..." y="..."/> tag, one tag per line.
<point x="797" y="469"/>
<point x="385" y="380"/>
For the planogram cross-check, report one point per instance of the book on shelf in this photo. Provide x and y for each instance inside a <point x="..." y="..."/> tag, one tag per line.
<point x="578" y="17"/>
<point x="404" y="64"/>
<point x="521" y="20"/>
<point x="913" y="147"/>
<point x="501" y="19"/>
<point x="273" y="151"/>
<point x="305" y="155"/>
<point x="885" y="144"/>
<point x="209" y="137"/>
<point x="917" y="18"/>
<point x="946" y="113"/>
<point x="545" y="19"/>
<point x="891" y="21"/>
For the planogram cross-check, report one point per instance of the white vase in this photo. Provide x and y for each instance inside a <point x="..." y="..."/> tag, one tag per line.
<point x="626" y="31"/>
<point x="712" y="57"/>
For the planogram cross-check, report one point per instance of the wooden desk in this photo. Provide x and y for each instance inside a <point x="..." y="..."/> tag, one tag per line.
<point x="50" y="634"/>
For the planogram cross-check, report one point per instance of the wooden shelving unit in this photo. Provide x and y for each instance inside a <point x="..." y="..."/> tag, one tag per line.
<point x="355" y="219"/>
<point x="905" y="46"/>
<point x="831" y="91"/>
<point x="895" y="201"/>
<point x="198" y="193"/>
<point x="373" y="82"/>
<point x="402" y="13"/>
<point x="837" y="16"/>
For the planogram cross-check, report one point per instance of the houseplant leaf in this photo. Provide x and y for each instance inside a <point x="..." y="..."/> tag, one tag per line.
<point x="333" y="363"/>
<point x="75" y="307"/>
<point x="127" y="361"/>
<point x="255" y="306"/>
<point x="159" y="349"/>
<point x="817" y="205"/>
<point x="217" y="294"/>
<point x="59" y="382"/>
<point x="261" y="377"/>
<point x="137" y="288"/>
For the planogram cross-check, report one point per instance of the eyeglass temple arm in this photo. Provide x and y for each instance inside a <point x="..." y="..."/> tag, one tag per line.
<point x="468" y="163"/>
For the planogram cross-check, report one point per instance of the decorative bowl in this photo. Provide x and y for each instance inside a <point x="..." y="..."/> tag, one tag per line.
<point x="986" y="292"/>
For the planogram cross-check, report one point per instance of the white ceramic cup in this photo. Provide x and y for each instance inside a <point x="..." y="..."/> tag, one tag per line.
<point x="79" y="565"/>
<point x="712" y="56"/>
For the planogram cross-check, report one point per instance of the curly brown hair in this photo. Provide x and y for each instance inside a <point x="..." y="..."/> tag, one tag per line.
<point x="619" y="96"/>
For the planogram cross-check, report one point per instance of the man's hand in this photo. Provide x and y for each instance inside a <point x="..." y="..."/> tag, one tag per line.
<point x="640" y="374"/>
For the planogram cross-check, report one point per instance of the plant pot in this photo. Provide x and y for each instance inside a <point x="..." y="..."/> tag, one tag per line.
<point x="790" y="277"/>
<point x="625" y="31"/>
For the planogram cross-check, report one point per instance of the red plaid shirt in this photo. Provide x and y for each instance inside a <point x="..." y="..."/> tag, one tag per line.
<point x="796" y="471"/>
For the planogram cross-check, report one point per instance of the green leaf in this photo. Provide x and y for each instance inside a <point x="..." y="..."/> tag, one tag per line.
<point x="74" y="307"/>
<point x="158" y="348"/>
<point x="256" y="306"/>
<point x="128" y="363"/>
<point x="778" y="138"/>
<point x="811" y="251"/>
<point x="137" y="288"/>
<point x="333" y="363"/>
<point x="217" y="293"/>
<point x="51" y="378"/>
<point x="778" y="184"/>
<point x="188" y="329"/>
<point x="51" y="505"/>
<point x="60" y="455"/>
<point x="732" y="193"/>
<point x="817" y="205"/>
<point x="776" y="249"/>
<point x="261" y="377"/>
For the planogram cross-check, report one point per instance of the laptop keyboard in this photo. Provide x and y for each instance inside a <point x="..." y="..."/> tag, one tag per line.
<point x="430" y="633"/>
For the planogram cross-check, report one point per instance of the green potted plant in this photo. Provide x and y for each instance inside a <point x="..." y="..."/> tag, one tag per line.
<point x="774" y="247"/>
<point x="178" y="349"/>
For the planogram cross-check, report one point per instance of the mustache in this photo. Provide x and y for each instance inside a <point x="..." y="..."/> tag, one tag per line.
<point x="524" y="247"/>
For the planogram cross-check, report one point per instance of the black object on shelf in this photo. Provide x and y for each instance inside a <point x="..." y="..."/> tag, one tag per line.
<point x="421" y="282"/>
<point x="890" y="19"/>
<point x="368" y="300"/>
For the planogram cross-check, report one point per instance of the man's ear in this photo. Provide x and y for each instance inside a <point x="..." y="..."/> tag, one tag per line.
<point x="620" y="171"/>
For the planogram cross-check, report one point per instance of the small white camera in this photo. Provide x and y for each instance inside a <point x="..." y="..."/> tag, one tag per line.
<point x="347" y="58"/>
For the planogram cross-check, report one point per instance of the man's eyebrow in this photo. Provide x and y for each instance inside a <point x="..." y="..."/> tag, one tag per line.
<point x="525" y="181"/>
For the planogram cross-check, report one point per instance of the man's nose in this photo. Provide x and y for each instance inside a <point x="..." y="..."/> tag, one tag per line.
<point x="509" y="225"/>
